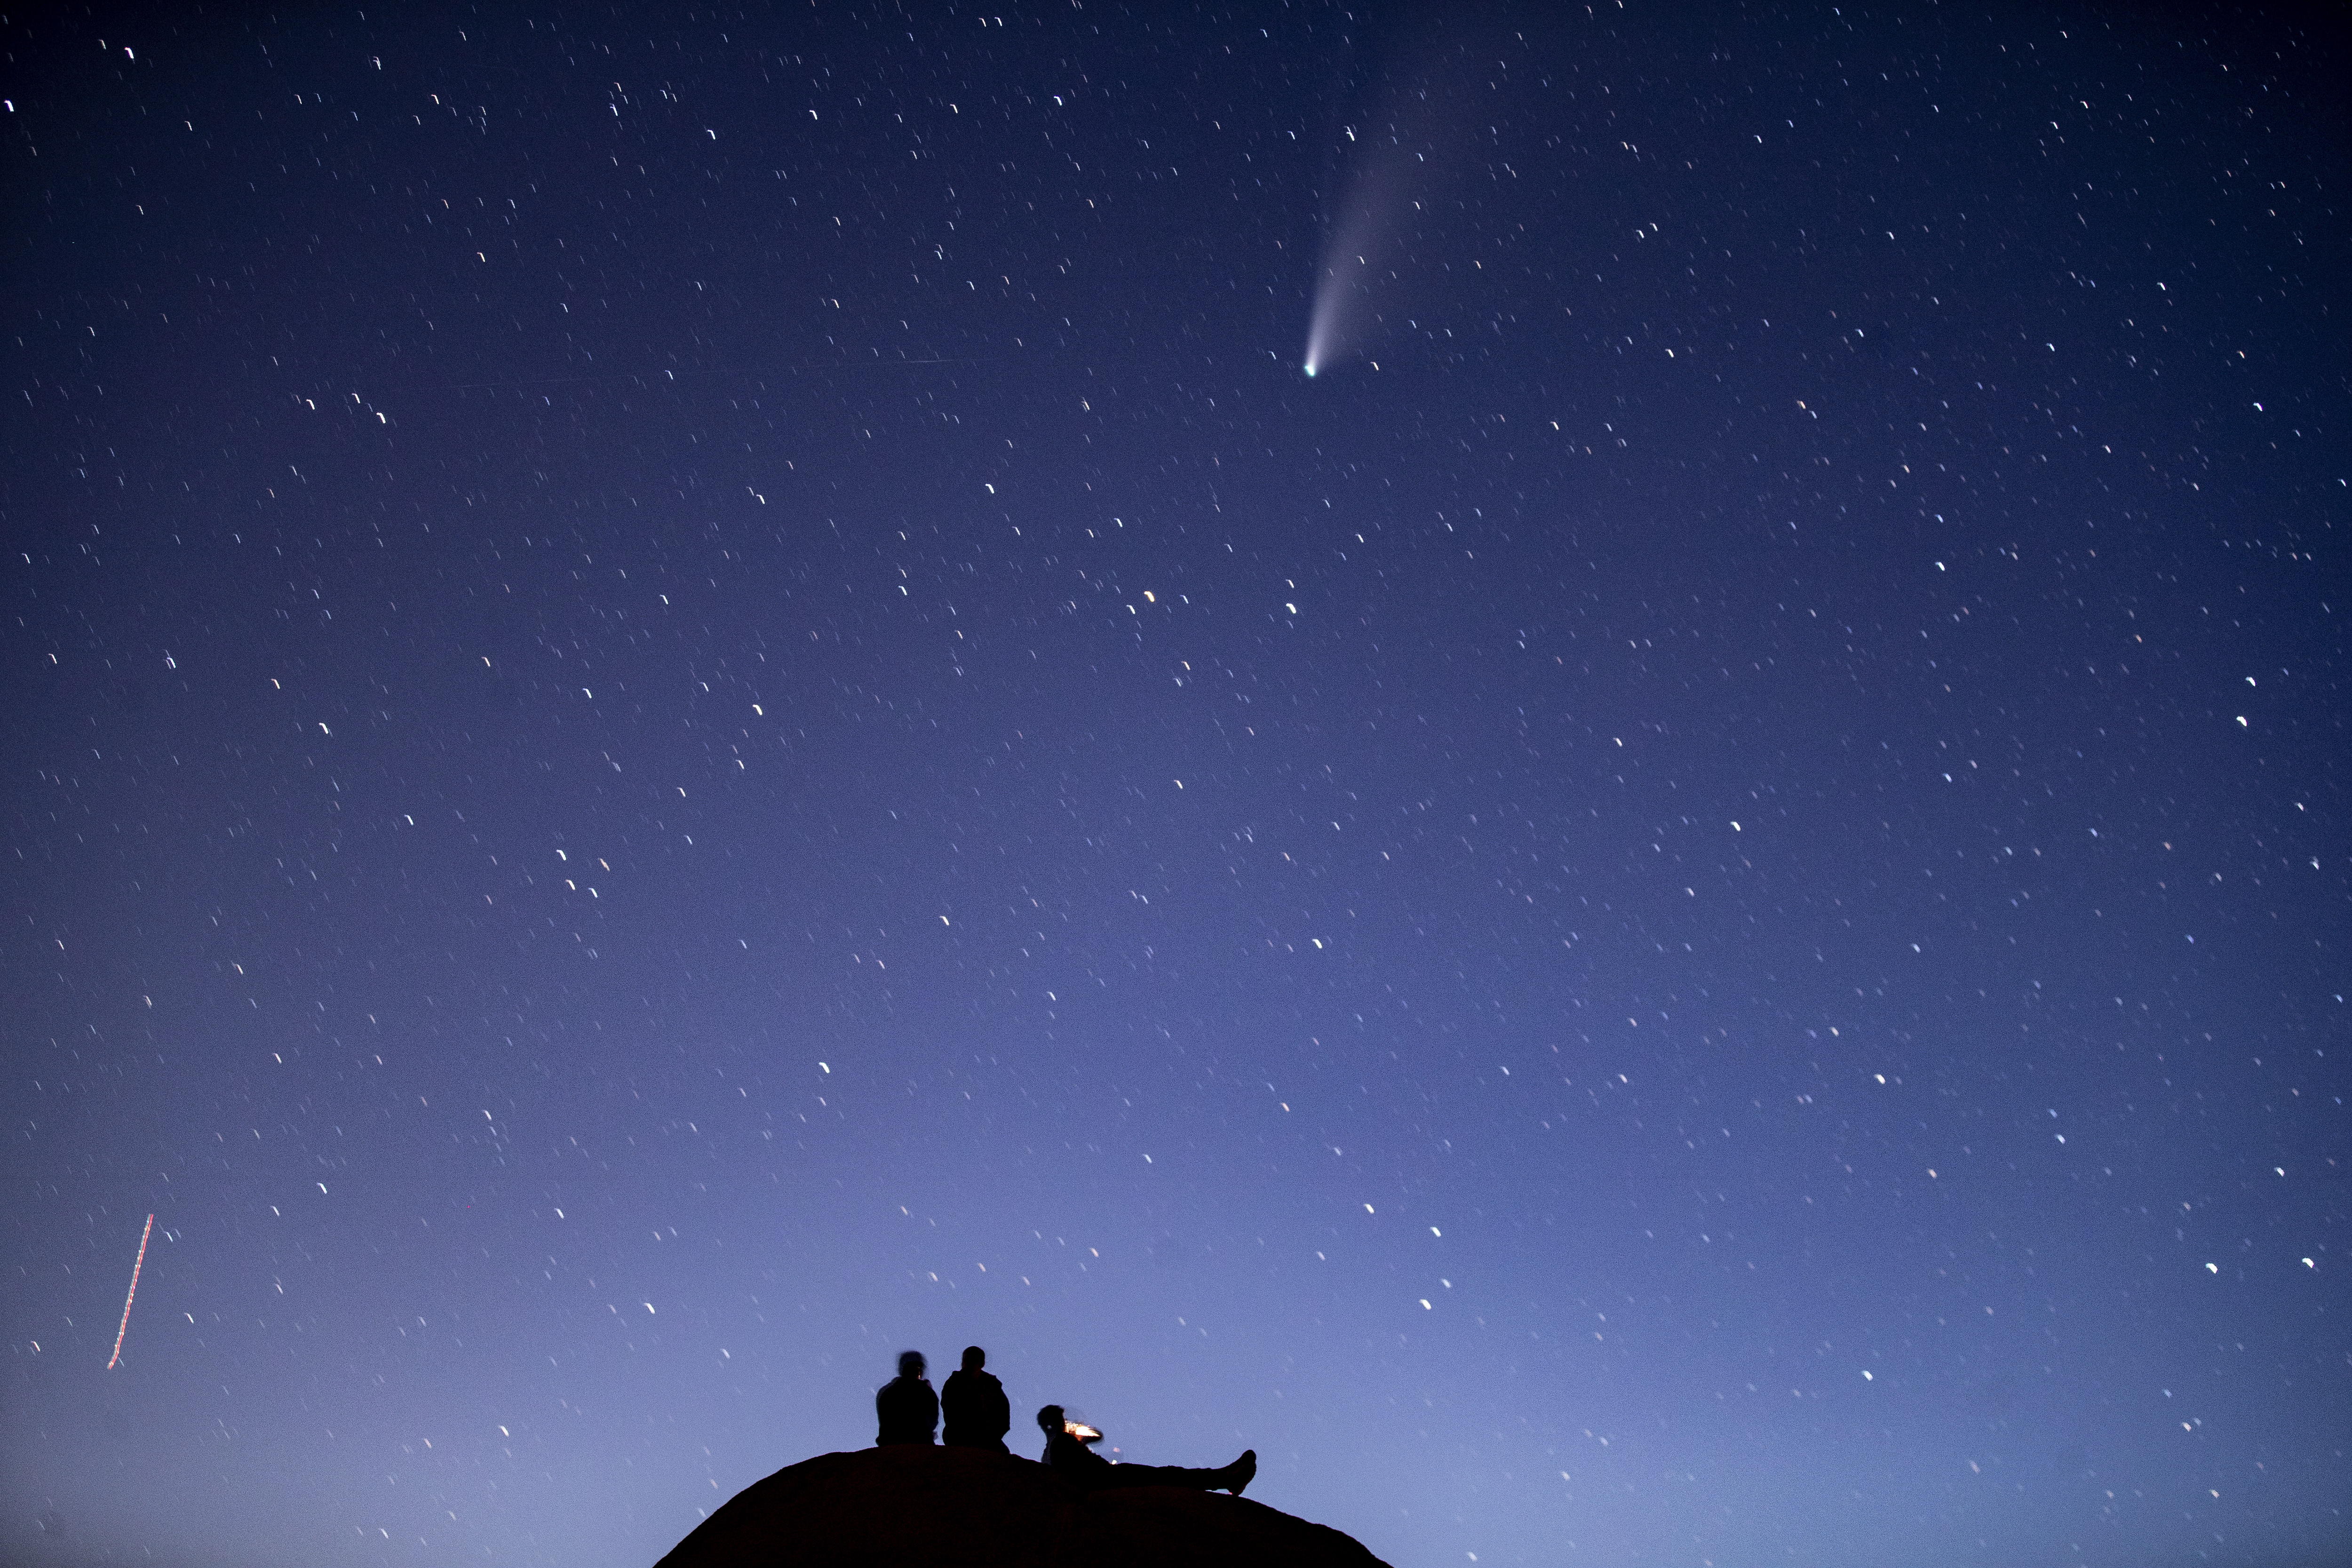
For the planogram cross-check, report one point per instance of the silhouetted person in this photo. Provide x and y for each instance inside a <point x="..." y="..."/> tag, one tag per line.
<point x="905" y="1408"/>
<point x="1067" y="1453"/>
<point x="978" y="1413"/>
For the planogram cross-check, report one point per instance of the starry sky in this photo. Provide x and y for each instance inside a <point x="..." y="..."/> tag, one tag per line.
<point x="695" y="695"/>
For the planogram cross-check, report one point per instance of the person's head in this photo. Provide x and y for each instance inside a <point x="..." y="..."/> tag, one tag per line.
<point x="1049" y="1420"/>
<point x="912" y="1363"/>
<point x="974" y="1358"/>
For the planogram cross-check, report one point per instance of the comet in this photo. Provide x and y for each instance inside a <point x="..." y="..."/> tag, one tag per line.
<point x="137" y="1263"/>
<point x="1392" y="222"/>
<point x="1352" y="263"/>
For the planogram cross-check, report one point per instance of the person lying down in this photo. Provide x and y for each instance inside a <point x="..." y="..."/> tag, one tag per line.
<point x="1067" y="1451"/>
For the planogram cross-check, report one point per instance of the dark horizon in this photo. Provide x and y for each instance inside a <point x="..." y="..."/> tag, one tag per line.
<point x="697" y="697"/>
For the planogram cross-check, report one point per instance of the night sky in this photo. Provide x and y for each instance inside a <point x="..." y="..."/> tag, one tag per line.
<point x="693" y="696"/>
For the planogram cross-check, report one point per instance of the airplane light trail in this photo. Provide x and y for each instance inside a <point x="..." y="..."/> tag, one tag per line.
<point x="139" y="1263"/>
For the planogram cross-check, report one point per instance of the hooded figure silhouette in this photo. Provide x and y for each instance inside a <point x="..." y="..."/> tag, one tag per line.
<point x="978" y="1413"/>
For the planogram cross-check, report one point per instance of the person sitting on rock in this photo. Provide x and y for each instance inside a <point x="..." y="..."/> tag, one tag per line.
<point x="978" y="1413"/>
<point x="1066" y="1452"/>
<point x="905" y="1407"/>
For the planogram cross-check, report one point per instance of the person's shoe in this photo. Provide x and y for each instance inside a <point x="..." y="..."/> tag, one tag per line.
<point x="1242" y="1471"/>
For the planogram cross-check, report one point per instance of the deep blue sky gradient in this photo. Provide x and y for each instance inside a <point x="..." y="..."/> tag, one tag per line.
<point x="697" y="696"/>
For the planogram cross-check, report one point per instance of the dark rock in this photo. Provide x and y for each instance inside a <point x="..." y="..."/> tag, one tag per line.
<point x="909" y="1506"/>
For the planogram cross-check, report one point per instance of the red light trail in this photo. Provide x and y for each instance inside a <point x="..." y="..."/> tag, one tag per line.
<point x="133" y="1296"/>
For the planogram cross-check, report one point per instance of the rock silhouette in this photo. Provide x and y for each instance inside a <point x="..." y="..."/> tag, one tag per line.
<point x="912" y="1506"/>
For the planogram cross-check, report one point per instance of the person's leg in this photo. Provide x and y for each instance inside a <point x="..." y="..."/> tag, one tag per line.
<point x="1157" y="1475"/>
<point x="1232" y="1477"/>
